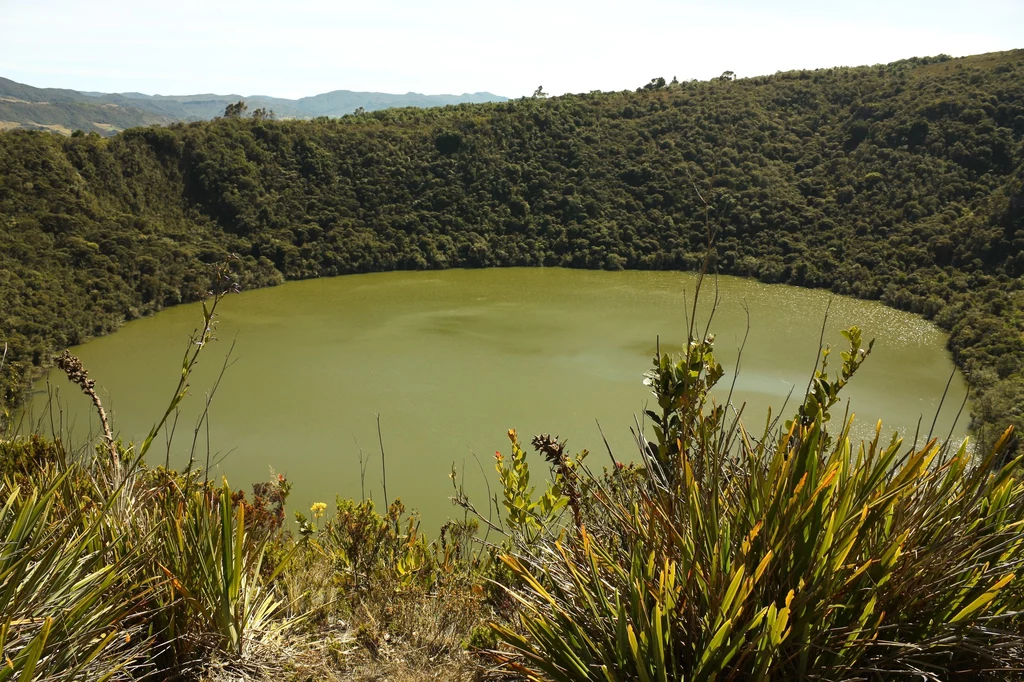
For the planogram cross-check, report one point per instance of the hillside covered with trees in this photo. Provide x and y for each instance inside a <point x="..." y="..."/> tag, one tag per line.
<point x="64" y="111"/>
<point x="902" y="182"/>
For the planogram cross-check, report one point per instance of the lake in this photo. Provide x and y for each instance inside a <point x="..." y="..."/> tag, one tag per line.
<point x="450" y="360"/>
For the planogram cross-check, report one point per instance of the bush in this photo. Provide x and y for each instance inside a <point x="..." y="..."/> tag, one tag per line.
<point x="795" y="554"/>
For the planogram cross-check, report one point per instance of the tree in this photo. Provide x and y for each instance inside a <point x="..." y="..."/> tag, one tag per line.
<point x="539" y="92"/>
<point x="236" y="110"/>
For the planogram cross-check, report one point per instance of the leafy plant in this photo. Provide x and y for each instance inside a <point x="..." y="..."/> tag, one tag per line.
<point x="215" y="591"/>
<point x="366" y="548"/>
<point x="794" y="555"/>
<point x="65" y="608"/>
<point x="529" y="519"/>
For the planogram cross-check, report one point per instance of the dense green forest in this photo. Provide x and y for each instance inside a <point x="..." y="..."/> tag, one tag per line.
<point x="902" y="182"/>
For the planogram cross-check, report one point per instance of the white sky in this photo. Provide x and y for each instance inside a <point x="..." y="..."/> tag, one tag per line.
<point x="305" y="47"/>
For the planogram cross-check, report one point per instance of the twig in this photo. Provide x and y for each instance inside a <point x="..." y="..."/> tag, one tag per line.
<point x="383" y="464"/>
<point x="967" y="394"/>
<point x="206" y="467"/>
<point x="169" y="438"/>
<point x="487" y="483"/>
<point x="736" y="372"/>
<point x="205" y="416"/>
<point x="938" y="409"/>
<point x="817" y="356"/>
<point x="917" y="432"/>
<point x="362" y="471"/>
<point x="615" y="463"/>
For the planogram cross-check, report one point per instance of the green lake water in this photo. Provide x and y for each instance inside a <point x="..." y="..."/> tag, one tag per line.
<point x="450" y="360"/>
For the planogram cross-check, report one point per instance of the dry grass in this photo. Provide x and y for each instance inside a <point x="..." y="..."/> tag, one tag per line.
<point x="410" y="637"/>
<point x="384" y="630"/>
<point x="54" y="127"/>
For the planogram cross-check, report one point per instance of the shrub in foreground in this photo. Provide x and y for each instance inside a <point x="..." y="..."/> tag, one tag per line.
<point x="794" y="553"/>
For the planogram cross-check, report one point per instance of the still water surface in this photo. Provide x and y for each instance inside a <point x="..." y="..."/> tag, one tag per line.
<point x="450" y="360"/>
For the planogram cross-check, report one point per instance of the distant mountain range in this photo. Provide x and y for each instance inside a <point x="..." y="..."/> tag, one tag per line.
<point x="64" y="111"/>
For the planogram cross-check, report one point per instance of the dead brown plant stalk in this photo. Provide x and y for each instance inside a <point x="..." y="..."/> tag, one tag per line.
<point x="76" y="372"/>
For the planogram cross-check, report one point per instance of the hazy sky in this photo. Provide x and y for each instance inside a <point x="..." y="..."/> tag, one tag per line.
<point x="305" y="47"/>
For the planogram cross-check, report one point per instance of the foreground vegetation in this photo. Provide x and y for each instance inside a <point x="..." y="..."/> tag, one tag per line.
<point x="716" y="553"/>
<point x="902" y="182"/>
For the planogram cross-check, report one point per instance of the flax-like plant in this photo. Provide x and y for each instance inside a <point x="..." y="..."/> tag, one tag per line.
<point x="215" y="595"/>
<point x="796" y="554"/>
<point x="65" y="607"/>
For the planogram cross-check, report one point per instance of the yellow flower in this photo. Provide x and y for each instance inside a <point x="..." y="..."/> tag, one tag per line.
<point x="318" y="509"/>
